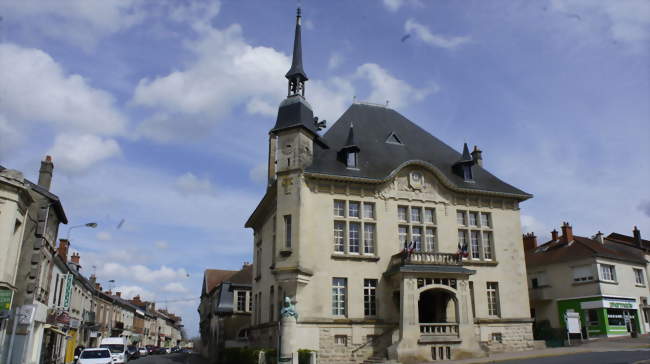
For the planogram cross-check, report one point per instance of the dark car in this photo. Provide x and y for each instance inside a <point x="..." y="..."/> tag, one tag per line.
<point x="176" y="349"/>
<point x="132" y="352"/>
<point x="159" y="351"/>
<point x="150" y="349"/>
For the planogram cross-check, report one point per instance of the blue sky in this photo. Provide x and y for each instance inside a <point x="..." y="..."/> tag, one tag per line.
<point x="158" y="112"/>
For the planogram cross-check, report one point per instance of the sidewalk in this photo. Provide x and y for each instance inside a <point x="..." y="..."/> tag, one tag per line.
<point x="593" y="345"/>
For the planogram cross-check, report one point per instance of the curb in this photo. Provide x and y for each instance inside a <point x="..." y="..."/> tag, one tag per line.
<point x="547" y="355"/>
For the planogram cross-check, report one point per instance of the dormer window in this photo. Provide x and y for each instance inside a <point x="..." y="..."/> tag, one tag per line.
<point x="352" y="160"/>
<point x="467" y="173"/>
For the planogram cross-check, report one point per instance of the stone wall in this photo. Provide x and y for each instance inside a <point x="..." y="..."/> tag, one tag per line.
<point x="334" y="351"/>
<point x="507" y="337"/>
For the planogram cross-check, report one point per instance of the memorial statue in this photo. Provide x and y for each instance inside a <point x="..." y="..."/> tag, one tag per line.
<point x="288" y="310"/>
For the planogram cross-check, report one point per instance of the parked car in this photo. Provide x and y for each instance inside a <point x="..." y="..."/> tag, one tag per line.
<point x="132" y="352"/>
<point x="176" y="349"/>
<point x="159" y="351"/>
<point x="150" y="349"/>
<point x="143" y="351"/>
<point x="95" y="356"/>
<point x="186" y="351"/>
<point x="117" y="346"/>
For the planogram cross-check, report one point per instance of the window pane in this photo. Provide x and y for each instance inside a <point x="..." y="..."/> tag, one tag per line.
<point x="339" y="208"/>
<point x="354" y="237"/>
<point x="416" y="214"/>
<point x="369" y="297"/>
<point x="339" y="287"/>
<point x="401" y="213"/>
<point x="429" y="216"/>
<point x="416" y="237"/>
<point x="476" y="252"/>
<point x="368" y="210"/>
<point x="460" y="218"/>
<point x="403" y="235"/>
<point x="339" y="236"/>
<point x="352" y="160"/>
<point x="369" y="238"/>
<point x="430" y="240"/>
<point x="287" y="231"/>
<point x="487" y="245"/>
<point x="485" y="219"/>
<point x="493" y="298"/>
<point x="354" y="209"/>
<point x="473" y="219"/>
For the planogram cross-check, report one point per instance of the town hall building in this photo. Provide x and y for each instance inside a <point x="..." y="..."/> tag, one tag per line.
<point x="390" y="243"/>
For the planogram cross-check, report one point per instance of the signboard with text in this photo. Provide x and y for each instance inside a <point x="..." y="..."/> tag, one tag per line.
<point x="5" y="298"/>
<point x="67" y="293"/>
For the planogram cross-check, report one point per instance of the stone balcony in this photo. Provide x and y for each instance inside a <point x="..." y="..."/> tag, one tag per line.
<point x="422" y="261"/>
<point x="439" y="332"/>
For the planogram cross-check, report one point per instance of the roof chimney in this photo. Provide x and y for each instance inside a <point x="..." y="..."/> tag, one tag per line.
<point x="75" y="258"/>
<point x="118" y="294"/>
<point x="637" y="236"/>
<point x="93" y="279"/>
<point x="530" y="242"/>
<point x="477" y="156"/>
<point x="554" y="235"/>
<point x="62" y="251"/>
<point x="45" y="173"/>
<point x="599" y="238"/>
<point x="567" y="232"/>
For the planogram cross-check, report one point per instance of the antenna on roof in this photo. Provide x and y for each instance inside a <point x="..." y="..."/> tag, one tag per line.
<point x="387" y="102"/>
<point x="354" y="99"/>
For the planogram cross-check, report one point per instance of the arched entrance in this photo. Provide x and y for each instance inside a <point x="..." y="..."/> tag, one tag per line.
<point x="437" y="305"/>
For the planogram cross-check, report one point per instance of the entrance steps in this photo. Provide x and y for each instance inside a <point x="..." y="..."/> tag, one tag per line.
<point x="378" y="360"/>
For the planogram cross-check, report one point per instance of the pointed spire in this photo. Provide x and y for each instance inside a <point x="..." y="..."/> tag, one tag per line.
<point x="466" y="156"/>
<point x="296" y="75"/>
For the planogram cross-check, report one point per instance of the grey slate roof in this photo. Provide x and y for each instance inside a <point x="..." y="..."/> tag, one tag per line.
<point x="378" y="160"/>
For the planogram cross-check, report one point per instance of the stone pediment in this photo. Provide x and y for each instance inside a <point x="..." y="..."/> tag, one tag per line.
<point x="415" y="182"/>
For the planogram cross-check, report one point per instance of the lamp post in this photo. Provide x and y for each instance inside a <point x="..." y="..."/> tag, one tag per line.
<point x="90" y="225"/>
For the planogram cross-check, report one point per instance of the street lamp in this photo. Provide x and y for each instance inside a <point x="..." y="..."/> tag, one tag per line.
<point x="90" y="225"/>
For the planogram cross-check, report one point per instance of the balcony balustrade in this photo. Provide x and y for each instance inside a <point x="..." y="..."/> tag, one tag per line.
<point x="419" y="257"/>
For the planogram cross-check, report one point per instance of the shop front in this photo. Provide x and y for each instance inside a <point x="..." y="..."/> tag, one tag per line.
<point x="603" y="315"/>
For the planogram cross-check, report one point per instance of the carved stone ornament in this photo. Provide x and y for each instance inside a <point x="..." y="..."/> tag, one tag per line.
<point x="289" y="309"/>
<point x="416" y="179"/>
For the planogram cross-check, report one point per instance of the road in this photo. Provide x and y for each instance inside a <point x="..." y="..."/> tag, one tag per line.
<point x="170" y="359"/>
<point x="608" y="357"/>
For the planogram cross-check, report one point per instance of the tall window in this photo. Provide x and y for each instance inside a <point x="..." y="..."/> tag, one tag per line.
<point x="354" y="233"/>
<point x="287" y="231"/>
<point x="369" y="238"/>
<point x="271" y="307"/>
<point x="493" y="298"/>
<point x="475" y="229"/>
<point x="241" y="301"/>
<point x="638" y="276"/>
<point x="583" y="273"/>
<point x="352" y="160"/>
<point x="339" y="296"/>
<point x="354" y="237"/>
<point x="607" y="272"/>
<point x="369" y="297"/>
<point x="339" y="236"/>
<point x="339" y="208"/>
<point x="417" y="227"/>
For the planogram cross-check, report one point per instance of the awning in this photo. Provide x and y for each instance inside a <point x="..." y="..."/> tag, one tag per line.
<point x="54" y="329"/>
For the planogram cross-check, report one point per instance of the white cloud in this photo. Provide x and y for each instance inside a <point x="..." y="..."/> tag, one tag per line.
<point x="130" y="291"/>
<point x="10" y="138"/>
<point x="140" y="273"/>
<point x="36" y="89"/>
<point x="76" y="153"/>
<point x="161" y="244"/>
<point x="104" y="236"/>
<point x="174" y="287"/>
<point x="189" y="184"/>
<point x="385" y="87"/>
<point x="626" y="21"/>
<point x="80" y="22"/>
<point x="436" y="40"/>
<point x="336" y="59"/>
<point x="394" y="5"/>
<point x="529" y="224"/>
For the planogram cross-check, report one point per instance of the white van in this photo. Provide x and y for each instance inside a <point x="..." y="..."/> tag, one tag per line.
<point x="117" y="346"/>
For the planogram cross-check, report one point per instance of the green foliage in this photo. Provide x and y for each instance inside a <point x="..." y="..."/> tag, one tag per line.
<point x="240" y="356"/>
<point x="303" y="356"/>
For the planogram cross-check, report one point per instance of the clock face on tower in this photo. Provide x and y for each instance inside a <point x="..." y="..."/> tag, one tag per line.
<point x="416" y="179"/>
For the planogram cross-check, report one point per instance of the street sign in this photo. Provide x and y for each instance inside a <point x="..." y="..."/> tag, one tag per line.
<point x="68" y="291"/>
<point x="5" y="298"/>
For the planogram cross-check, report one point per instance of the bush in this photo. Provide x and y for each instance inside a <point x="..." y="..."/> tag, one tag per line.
<point x="303" y="356"/>
<point x="271" y="356"/>
<point x="240" y="356"/>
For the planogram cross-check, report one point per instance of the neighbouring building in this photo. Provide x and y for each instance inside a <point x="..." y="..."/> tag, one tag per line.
<point x="388" y="241"/>
<point x="225" y="309"/>
<point x="15" y="200"/>
<point x="35" y="268"/>
<point x="604" y="279"/>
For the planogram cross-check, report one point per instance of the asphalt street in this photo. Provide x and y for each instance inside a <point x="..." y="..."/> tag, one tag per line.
<point x="608" y="357"/>
<point x="170" y="359"/>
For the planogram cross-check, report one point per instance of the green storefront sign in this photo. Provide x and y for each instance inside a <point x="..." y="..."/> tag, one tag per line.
<point x="5" y="298"/>
<point x="603" y="316"/>
<point x="68" y="291"/>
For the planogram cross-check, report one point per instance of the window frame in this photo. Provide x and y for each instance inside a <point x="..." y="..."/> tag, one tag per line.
<point x="354" y="244"/>
<point x="611" y="271"/>
<point x="471" y="222"/>
<point x="407" y="229"/>
<point x="288" y="228"/>
<point x="639" y="277"/>
<point x="492" y="293"/>
<point x="339" y="296"/>
<point x="370" y="297"/>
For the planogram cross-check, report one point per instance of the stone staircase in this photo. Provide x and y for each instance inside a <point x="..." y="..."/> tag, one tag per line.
<point x="379" y="360"/>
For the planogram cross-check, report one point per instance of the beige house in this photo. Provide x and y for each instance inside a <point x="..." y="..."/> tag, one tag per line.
<point x="389" y="242"/>
<point x="604" y="279"/>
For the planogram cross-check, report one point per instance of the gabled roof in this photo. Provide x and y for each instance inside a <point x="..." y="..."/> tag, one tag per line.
<point x="214" y="277"/>
<point x="243" y="276"/>
<point x="553" y="252"/>
<point x="379" y="159"/>
<point x="628" y="240"/>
